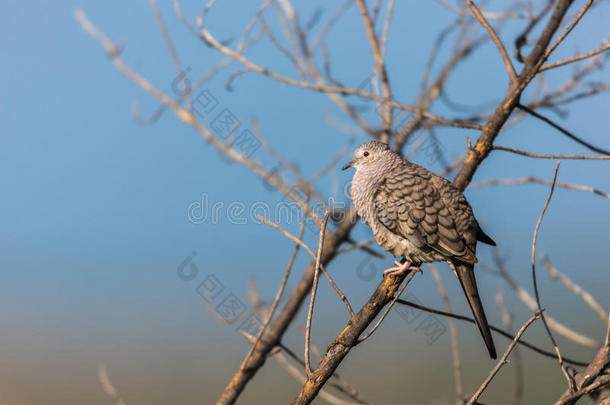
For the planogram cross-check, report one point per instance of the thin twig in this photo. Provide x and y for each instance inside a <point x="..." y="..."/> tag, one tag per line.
<point x="546" y="156"/>
<point x="507" y="320"/>
<point x="386" y="27"/>
<point x="279" y="294"/>
<point x="503" y="360"/>
<point x="107" y="386"/>
<point x="379" y="64"/>
<point x="188" y="117"/>
<point x="457" y="367"/>
<point x="563" y="130"/>
<point x="360" y="245"/>
<point x="512" y="74"/>
<point x="348" y="338"/>
<point x="330" y="23"/>
<point x="298" y="375"/>
<point x="313" y="255"/>
<point x="387" y="311"/>
<point x="494" y="328"/>
<point x="174" y="55"/>
<point x="538" y="180"/>
<point x="599" y="383"/>
<point x="511" y="99"/>
<point x="261" y="309"/>
<point x="577" y="58"/>
<point x="530" y="302"/>
<point x="314" y="289"/>
<point x="488" y="14"/>
<point x="536" y="292"/>
<point x="593" y="377"/>
<point x="564" y="34"/>
<point x="575" y="288"/>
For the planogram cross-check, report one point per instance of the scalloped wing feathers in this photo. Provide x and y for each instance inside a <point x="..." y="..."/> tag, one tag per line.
<point x="428" y="211"/>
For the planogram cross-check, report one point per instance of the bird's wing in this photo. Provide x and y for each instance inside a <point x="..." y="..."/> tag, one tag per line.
<point x="461" y="211"/>
<point x="411" y="202"/>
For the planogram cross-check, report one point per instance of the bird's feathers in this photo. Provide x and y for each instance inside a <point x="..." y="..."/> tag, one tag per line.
<point x="426" y="210"/>
<point x="483" y="237"/>
<point x="465" y="273"/>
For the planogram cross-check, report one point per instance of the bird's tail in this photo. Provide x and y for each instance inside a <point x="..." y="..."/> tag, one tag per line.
<point x="465" y="273"/>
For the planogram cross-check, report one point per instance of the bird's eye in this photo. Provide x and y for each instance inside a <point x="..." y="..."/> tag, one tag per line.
<point x="366" y="154"/>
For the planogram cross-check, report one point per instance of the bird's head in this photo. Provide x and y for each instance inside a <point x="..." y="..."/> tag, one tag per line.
<point x="369" y="154"/>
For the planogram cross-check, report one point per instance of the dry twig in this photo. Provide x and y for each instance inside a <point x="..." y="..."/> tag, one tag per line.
<point x="314" y="290"/>
<point x="538" y="180"/>
<point x="575" y="288"/>
<point x="507" y="320"/>
<point x="107" y="386"/>
<point x="503" y="360"/>
<point x="457" y="367"/>
<point x="594" y="377"/>
<point x="530" y="302"/>
<point x="546" y="156"/>
<point x="494" y="328"/>
<point x="536" y="292"/>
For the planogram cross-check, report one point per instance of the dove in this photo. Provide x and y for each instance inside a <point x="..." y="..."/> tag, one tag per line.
<point x="419" y="216"/>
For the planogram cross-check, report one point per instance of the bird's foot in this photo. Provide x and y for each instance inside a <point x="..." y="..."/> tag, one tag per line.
<point x="401" y="269"/>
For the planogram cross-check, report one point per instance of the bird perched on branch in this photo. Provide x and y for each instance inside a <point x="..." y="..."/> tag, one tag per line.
<point x="419" y="216"/>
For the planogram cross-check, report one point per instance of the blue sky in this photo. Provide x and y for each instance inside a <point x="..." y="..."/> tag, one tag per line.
<point x="94" y="207"/>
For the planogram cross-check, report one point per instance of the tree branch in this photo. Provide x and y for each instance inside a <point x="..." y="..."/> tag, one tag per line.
<point x="503" y="360"/>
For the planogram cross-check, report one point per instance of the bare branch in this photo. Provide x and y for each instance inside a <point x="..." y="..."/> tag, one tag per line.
<point x="363" y="246"/>
<point x="576" y="289"/>
<point x="532" y="179"/>
<point x="507" y="320"/>
<point x="511" y="99"/>
<point x="387" y="310"/>
<point x="278" y="296"/>
<point x="577" y="58"/>
<point x="347" y="339"/>
<point x="563" y="130"/>
<point x="593" y="377"/>
<point x="490" y="15"/>
<point x="107" y="386"/>
<point x="379" y="65"/>
<point x="503" y="360"/>
<point x="512" y="74"/>
<point x="189" y="118"/>
<point x="298" y="375"/>
<point x="541" y="156"/>
<point x="172" y="51"/>
<point x="338" y="382"/>
<point x="494" y="328"/>
<point x="457" y="368"/>
<point x="311" y="253"/>
<point x="530" y="302"/>
<point x="314" y="290"/>
<point x="536" y="292"/>
<point x="564" y="34"/>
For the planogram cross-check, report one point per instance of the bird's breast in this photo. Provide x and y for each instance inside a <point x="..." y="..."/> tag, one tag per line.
<point x="400" y="246"/>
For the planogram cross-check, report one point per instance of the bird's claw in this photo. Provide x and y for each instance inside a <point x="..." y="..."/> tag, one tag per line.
<point x="401" y="269"/>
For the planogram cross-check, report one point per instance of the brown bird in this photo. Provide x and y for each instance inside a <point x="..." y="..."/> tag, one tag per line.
<point x="419" y="216"/>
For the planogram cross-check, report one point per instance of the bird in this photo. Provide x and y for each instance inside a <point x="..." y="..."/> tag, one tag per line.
<point x="419" y="216"/>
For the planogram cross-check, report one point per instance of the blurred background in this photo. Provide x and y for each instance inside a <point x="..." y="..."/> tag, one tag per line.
<point x="101" y="214"/>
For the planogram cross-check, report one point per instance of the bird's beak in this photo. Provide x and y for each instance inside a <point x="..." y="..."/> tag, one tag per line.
<point x="348" y="165"/>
